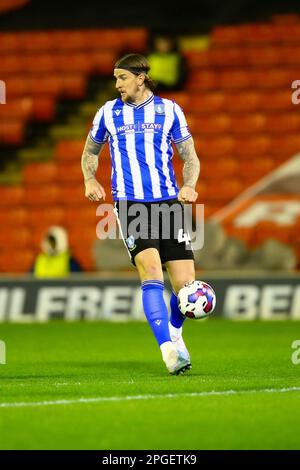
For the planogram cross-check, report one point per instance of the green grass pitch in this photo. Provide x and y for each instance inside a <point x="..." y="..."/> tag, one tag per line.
<point x="108" y="387"/>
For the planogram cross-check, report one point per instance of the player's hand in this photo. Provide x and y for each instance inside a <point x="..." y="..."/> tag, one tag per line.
<point x="94" y="191"/>
<point x="187" y="194"/>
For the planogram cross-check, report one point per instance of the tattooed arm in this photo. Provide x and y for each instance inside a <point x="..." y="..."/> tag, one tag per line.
<point x="89" y="164"/>
<point x="191" y="170"/>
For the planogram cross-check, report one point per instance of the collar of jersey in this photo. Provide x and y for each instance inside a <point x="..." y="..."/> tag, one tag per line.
<point x="141" y="105"/>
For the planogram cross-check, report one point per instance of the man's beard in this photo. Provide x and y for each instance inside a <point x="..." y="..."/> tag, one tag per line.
<point x="126" y="98"/>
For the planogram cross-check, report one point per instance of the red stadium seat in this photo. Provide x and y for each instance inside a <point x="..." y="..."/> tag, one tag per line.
<point x="102" y="62"/>
<point x="263" y="56"/>
<point x="16" y="87"/>
<point x="204" y="103"/>
<point x="69" y="149"/>
<point x="12" y="132"/>
<point x="285" y="145"/>
<point x="40" y="62"/>
<point x="180" y="97"/>
<point x="79" y="235"/>
<point x="226" y="35"/>
<point x="45" y="84"/>
<point x="81" y="215"/>
<point x="16" y="261"/>
<point x="248" y="123"/>
<point x="11" y="195"/>
<point x="42" y="195"/>
<point x="214" y="124"/>
<point x="75" y="62"/>
<point x="255" y="168"/>
<point x="269" y="230"/>
<point x="234" y="79"/>
<point x="70" y="173"/>
<point x="39" y="217"/>
<point x="291" y="55"/>
<point x="246" y="101"/>
<point x="72" y="194"/>
<point x="44" y="108"/>
<point x="228" y="57"/>
<point x="35" y="41"/>
<point x="18" y="108"/>
<point x="11" y="64"/>
<point x="37" y="173"/>
<point x="11" y="239"/>
<point x="73" y="85"/>
<point x="273" y="77"/>
<point x="253" y="146"/>
<point x="226" y="167"/>
<point x="70" y="40"/>
<point x="225" y="190"/>
<point x="197" y="59"/>
<point x="134" y="39"/>
<point x="105" y="39"/>
<point x="218" y="146"/>
<point x="277" y="101"/>
<point x="9" y="42"/>
<point x="257" y="34"/>
<point x="15" y="218"/>
<point x="202" y="80"/>
<point x="84" y="257"/>
<point x="282" y="122"/>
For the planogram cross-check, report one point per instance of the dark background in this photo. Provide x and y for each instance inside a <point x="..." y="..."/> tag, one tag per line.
<point x="170" y="15"/>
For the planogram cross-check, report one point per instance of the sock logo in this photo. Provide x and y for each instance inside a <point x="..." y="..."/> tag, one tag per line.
<point x="158" y="322"/>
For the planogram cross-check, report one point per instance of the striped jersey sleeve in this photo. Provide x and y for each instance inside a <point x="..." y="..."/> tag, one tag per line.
<point x="98" y="132"/>
<point x="180" y="130"/>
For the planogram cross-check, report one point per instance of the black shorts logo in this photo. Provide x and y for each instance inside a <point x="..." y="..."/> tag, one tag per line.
<point x="130" y="242"/>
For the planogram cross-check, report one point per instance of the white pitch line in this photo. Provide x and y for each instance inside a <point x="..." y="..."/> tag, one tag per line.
<point x="76" y="401"/>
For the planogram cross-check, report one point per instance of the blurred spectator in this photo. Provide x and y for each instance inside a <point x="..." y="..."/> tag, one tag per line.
<point x="55" y="259"/>
<point x="167" y="65"/>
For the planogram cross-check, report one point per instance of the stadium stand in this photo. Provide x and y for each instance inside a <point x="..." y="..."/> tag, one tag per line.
<point x="237" y="100"/>
<point x="8" y="5"/>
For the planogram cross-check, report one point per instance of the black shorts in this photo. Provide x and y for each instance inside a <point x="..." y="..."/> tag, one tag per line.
<point x="157" y="225"/>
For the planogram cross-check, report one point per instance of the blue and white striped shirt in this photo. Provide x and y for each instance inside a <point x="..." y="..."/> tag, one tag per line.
<point x="140" y="140"/>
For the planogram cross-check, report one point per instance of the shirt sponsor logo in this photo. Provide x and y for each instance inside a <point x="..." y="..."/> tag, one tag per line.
<point x="140" y="127"/>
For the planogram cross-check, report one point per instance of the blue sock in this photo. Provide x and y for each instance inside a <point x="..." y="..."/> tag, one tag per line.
<point x="156" y="310"/>
<point x="177" y="318"/>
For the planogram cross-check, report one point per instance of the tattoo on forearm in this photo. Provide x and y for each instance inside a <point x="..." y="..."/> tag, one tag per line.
<point x="191" y="167"/>
<point x="89" y="159"/>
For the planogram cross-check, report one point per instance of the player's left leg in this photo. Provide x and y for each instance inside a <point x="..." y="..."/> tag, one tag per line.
<point x="150" y="271"/>
<point x="179" y="272"/>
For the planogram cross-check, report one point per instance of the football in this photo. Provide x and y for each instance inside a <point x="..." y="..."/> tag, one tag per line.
<point x="196" y="300"/>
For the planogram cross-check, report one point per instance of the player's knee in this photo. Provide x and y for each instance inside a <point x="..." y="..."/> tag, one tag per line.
<point x="153" y="271"/>
<point x="179" y="283"/>
<point x="150" y="271"/>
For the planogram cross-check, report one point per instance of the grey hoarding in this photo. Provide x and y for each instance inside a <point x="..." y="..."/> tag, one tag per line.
<point x="91" y="298"/>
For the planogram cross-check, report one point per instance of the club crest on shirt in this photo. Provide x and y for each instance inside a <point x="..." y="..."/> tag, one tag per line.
<point x="130" y="242"/>
<point x="159" y="108"/>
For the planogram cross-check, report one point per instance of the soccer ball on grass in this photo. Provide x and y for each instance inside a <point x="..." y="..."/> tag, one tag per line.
<point x="196" y="300"/>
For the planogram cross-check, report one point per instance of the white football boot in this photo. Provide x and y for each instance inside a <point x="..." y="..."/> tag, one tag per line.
<point x="177" y="340"/>
<point x="174" y="360"/>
